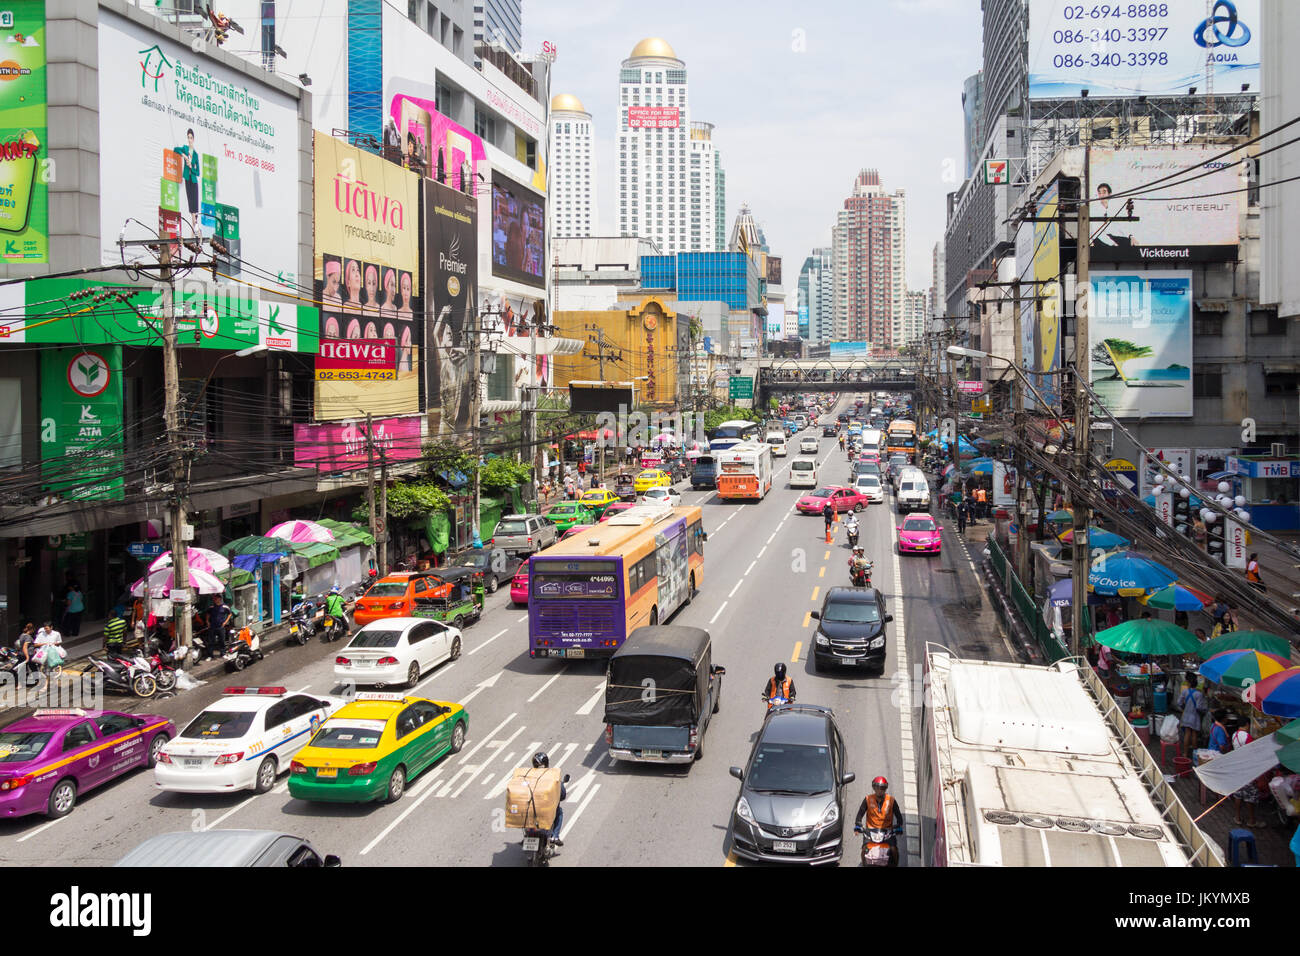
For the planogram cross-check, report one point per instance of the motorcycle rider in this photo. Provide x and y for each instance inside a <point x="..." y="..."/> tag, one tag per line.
<point x="842" y="440"/>
<point x="882" y="812"/>
<point x="858" y="563"/>
<point x="334" y="605"/>
<point x="541" y="760"/>
<point x="779" y="685"/>
<point x="851" y="527"/>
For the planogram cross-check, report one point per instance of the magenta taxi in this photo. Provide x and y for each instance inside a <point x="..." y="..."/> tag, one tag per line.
<point x="49" y="758"/>
<point x="519" y="585"/>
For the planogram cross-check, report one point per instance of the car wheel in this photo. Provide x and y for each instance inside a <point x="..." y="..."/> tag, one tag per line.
<point x="457" y="622"/>
<point x="413" y="674"/>
<point x="396" y="785"/>
<point x="458" y="737"/>
<point x="265" y="779"/>
<point x="155" y="748"/>
<point x="493" y="585"/>
<point x="62" y="799"/>
<point x="455" y="648"/>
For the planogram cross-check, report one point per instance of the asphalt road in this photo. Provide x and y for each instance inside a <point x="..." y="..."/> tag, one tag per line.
<point x="766" y="568"/>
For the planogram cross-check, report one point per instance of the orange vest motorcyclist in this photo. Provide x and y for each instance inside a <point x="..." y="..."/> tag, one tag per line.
<point x="779" y="685"/>
<point x="881" y="812"/>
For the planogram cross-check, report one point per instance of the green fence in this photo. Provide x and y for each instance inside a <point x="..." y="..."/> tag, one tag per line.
<point x="1030" y="614"/>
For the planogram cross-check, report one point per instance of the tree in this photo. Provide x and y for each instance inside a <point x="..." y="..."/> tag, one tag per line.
<point x="1113" y="353"/>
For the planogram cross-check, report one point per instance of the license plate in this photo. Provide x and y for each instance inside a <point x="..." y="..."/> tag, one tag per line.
<point x="656" y="754"/>
<point x="329" y="622"/>
<point x="531" y="844"/>
<point x="784" y="846"/>
<point x="293" y="628"/>
<point x="363" y="663"/>
<point x="327" y="772"/>
<point x="193" y="763"/>
<point x="576" y="652"/>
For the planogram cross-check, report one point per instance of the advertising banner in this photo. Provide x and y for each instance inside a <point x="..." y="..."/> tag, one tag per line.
<point x="775" y="322"/>
<point x="1142" y="49"/>
<point x="1234" y="544"/>
<point x="24" y="159"/>
<point x="1180" y="222"/>
<point x="1140" y="332"/>
<point x="367" y="273"/>
<point x="1125" y="477"/>
<point x="451" y="244"/>
<point x="653" y="117"/>
<point x="1004" y="485"/>
<point x="342" y="446"/>
<point x="518" y="232"/>
<point x="1045" y="355"/>
<point x="81" y="422"/>
<point x="1177" y="460"/>
<point x="772" y="270"/>
<point x="1165" y="508"/>
<point x="510" y="317"/>
<point x="970" y="388"/>
<point x="1209" y="461"/>
<point x="357" y="360"/>
<point x="803" y="322"/>
<point x="193" y="140"/>
<point x="420" y="138"/>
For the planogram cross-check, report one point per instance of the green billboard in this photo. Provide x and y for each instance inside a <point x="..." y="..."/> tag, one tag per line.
<point x="24" y="155"/>
<point x="81" y="422"/>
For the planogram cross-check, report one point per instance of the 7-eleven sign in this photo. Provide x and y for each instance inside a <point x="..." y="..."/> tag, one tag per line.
<point x="995" y="172"/>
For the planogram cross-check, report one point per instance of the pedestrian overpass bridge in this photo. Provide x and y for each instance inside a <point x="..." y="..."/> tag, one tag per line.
<point x="846" y="374"/>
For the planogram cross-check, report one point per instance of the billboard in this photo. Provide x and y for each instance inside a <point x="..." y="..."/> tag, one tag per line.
<point x="1178" y="460"/>
<point x="1142" y="49"/>
<point x="511" y="317"/>
<point x="775" y="322"/>
<point x="24" y="157"/>
<point x="1045" y="354"/>
<point x="653" y="117"/>
<point x="773" y="270"/>
<point x="803" y="321"/>
<point x="451" y="248"/>
<point x="81" y="422"/>
<point x="518" y="232"/>
<point x="342" y="446"/>
<point x="357" y="360"/>
<point x="1172" y="227"/>
<point x="1140" y="338"/>
<point x="367" y="273"/>
<point x="424" y="141"/>
<point x="189" y="147"/>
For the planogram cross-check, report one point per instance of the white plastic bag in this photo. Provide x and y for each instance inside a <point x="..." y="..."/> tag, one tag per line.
<point x="1169" y="729"/>
<point x="185" y="682"/>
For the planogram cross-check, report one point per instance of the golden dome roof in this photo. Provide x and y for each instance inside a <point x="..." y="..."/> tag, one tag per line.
<point x="567" y="101"/>
<point x="653" y="46"/>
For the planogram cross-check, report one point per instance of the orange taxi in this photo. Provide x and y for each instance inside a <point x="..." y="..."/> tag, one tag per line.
<point x="394" y="595"/>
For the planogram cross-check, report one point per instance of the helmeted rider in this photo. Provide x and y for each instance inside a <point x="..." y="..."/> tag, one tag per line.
<point x="882" y="812"/>
<point x="858" y="561"/>
<point x="541" y="760"/>
<point x="779" y="685"/>
<point x="851" y="525"/>
<point x="842" y="440"/>
<point x="334" y="607"/>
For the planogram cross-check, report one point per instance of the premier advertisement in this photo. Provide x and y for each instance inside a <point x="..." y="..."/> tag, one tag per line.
<point x="1183" y="221"/>
<point x="518" y="233"/>
<point x="451" y="244"/>
<point x="367" y="274"/>
<point x="24" y="169"/>
<point x="190" y="148"/>
<point x="1142" y="49"/>
<point x="1140" y="333"/>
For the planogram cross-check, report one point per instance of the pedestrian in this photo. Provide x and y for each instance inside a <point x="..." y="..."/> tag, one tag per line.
<point x="1104" y="662"/>
<point x="74" y="606"/>
<point x="220" y="620"/>
<point x="582" y="467"/>
<point x="1112" y="615"/>
<point x="1219" y="735"/>
<point x="1193" y="705"/>
<point x="49" y="646"/>
<point x="1252" y="573"/>
<point x="963" y="511"/>
<point x="628" y="454"/>
<point x="1249" y="794"/>
<point x="1229" y="621"/>
<point x="115" y="633"/>
<point x="26" y="645"/>
<point x="1220" y="609"/>
<point x="1200" y="635"/>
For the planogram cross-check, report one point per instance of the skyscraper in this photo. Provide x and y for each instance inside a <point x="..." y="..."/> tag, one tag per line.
<point x="500" y="21"/>
<point x="915" y="318"/>
<point x="573" y="167"/>
<point x="657" y="160"/>
<point x="869" y="255"/>
<point x="817" y="294"/>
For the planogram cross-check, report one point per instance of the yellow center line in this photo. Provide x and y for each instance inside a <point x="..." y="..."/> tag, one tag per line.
<point x="798" y="646"/>
<point x="814" y="594"/>
<point x="822" y="572"/>
<point x="731" y="860"/>
<point x="826" y="556"/>
<point x="807" y="616"/>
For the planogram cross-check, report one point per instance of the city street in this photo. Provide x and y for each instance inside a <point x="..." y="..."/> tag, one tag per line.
<point x="766" y="568"/>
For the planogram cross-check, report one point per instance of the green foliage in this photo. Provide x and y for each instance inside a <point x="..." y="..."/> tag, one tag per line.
<point x="447" y="456"/>
<point x="502" y="474"/>
<point x="409" y="500"/>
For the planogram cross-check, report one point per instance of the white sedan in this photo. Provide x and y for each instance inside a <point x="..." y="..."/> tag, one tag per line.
<point x="395" y="650"/>
<point x="869" y="486"/>
<point x="661" y="496"/>
<point x="809" y="446"/>
<point x="242" y="741"/>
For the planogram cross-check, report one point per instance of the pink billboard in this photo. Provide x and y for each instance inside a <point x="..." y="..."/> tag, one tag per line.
<point x="342" y="446"/>
<point x="652" y="117"/>
<point x="430" y="144"/>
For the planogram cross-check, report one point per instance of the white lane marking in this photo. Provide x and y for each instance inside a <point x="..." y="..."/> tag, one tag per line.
<point x="590" y="705"/>
<point x="488" y="779"/>
<point x="491" y="639"/>
<point x="770" y="537"/>
<point x="522" y="619"/>
<point x="750" y="568"/>
<point x="910" y="792"/>
<point x="437" y="672"/>
<point x="504" y="782"/>
<point x="411" y="808"/>
<point x="474" y="771"/>
<point x="490" y="682"/>
<point x="760" y="552"/>
<point x="573" y="817"/>
<point x="490" y="734"/>
<point x="554" y="678"/>
<point x="40" y="829"/>
<point x="231" y="811"/>
<point x="718" y="612"/>
<point x="428" y="780"/>
<point x="736" y="588"/>
<point x="564" y="758"/>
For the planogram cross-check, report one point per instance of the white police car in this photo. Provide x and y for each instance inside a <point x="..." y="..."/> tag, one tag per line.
<point x="241" y="741"/>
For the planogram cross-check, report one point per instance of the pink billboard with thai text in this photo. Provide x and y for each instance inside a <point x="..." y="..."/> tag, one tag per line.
<point x="426" y="142"/>
<point x="342" y="446"/>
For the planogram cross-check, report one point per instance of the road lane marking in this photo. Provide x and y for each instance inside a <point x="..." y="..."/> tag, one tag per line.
<point x="717" y="612"/>
<point x="522" y="619"/>
<point x="491" y="639"/>
<point x="826" y="556"/>
<point x="906" y="743"/>
<point x="483" y="685"/>
<point x="490" y="734"/>
<point x="822" y="572"/>
<point x="474" y="771"/>
<point x="554" y="678"/>
<point x="760" y="552"/>
<point x="770" y="537"/>
<point x="40" y="829"/>
<point x="506" y="777"/>
<point x="573" y="817"/>
<point x="798" y="646"/>
<point x="816" y="589"/>
<point x="750" y="568"/>
<point x="231" y="812"/>
<point x="736" y="588"/>
<point x="564" y="758"/>
<point x="411" y="808"/>
<point x="437" y="672"/>
<point x="590" y="705"/>
<point x="807" y="617"/>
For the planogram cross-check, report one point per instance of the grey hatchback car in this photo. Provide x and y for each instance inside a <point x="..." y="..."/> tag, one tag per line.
<point x="791" y="803"/>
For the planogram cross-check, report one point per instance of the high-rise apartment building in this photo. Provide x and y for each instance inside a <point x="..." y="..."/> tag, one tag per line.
<point x="869" y="252"/>
<point x="658" y="149"/>
<point x="500" y="21"/>
<point x="573" y="169"/>
<point x="938" y="304"/>
<point x="817" y="294"/>
<point x="915" y="318"/>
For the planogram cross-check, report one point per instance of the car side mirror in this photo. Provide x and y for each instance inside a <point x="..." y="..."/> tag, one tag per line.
<point x="815" y="615"/>
<point x="332" y="861"/>
<point x="888" y="618"/>
<point x="737" y="773"/>
<point x="848" y="778"/>
<point x="567" y="778"/>
<point x="718" y="671"/>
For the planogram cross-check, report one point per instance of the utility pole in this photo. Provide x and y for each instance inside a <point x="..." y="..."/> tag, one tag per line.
<point x="171" y="419"/>
<point x="475" y="372"/>
<point x="381" y="539"/>
<point x="601" y="349"/>
<point x="1082" y="423"/>
<point x="1018" y="428"/>
<point x="370" y="481"/>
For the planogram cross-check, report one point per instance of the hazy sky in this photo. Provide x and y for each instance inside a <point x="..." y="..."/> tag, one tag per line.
<point x="803" y="95"/>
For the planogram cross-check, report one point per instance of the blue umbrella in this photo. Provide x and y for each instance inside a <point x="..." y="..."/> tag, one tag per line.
<point x="1062" y="593"/>
<point x="1097" y="538"/>
<point x="980" y="468"/>
<point x="1128" y="574"/>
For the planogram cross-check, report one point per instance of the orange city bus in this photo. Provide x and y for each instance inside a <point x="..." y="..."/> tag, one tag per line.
<point x="745" y="471"/>
<point x="900" y="438"/>
<point x="588" y="592"/>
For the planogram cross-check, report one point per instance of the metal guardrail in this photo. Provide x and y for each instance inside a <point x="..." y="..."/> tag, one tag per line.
<point x="1030" y="615"/>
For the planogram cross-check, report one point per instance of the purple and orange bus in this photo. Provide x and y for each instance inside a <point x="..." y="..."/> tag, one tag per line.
<point x="587" y="593"/>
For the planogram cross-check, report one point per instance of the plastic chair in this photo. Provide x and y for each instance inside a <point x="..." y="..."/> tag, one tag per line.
<point x="1177" y="745"/>
<point x="1240" y="844"/>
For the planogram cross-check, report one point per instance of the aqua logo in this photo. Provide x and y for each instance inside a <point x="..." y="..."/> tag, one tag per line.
<point x="1208" y="34"/>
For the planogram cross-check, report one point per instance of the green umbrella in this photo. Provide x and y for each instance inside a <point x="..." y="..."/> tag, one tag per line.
<point x="1149" y="636"/>
<point x="1289" y="756"/>
<point x="1290" y="733"/>
<point x="1060" y="516"/>
<point x="1245" y="641"/>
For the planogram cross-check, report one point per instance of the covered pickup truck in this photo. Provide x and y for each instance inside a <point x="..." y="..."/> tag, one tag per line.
<point x="661" y="691"/>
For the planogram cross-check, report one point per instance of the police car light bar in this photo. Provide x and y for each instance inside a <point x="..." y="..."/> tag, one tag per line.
<point x="379" y="696"/>
<point x="269" y="691"/>
<point x="60" y="712"/>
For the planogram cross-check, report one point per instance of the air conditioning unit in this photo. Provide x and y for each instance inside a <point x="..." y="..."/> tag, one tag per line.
<point x="1277" y="449"/>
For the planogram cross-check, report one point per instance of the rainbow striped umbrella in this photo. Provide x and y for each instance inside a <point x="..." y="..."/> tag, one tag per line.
<point x="1242" y="668"/>
<point x="1279" y="695"/>
<point x="1178" y="597"/>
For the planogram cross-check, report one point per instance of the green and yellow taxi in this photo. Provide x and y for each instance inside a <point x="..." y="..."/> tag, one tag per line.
<point x="598" y="500"/>
<point x="568" y="513"/>
<point x="652" y="478"/>
<point x="371" y="748"/>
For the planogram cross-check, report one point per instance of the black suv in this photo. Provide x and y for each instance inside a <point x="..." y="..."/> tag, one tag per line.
<point x="791" y="803"/>
<point x="851" y="629"/>
<point x="829" y="431"/>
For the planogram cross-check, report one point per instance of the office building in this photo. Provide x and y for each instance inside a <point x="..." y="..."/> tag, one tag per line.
<point x="708" y="191"/>
<point x="869" y="253"/>
<point x="573" y="168"/>
<point x="498" y="21"/>
<point x="817" y="295"/>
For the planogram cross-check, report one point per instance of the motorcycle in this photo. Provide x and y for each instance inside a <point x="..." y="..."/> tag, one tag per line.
<point x="775" y="700"/>
<point x="877" y="844"/>
<point x="239" y="654"/>
<point x="162" y="664"/>
<point x="11" y="660"/>
<point x="302" y="622"/>
<point x="853" y="539"/>
<point x="861" y="577"/>
<point x="331" y="628"/>
<point x="537" y="845"/>
<point x="125" y="675"/>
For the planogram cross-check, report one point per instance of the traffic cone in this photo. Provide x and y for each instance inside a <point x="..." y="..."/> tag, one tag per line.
<point x="830" y="533"/>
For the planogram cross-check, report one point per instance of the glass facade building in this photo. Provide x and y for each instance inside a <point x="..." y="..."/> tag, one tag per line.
<point x="730" y="277"/>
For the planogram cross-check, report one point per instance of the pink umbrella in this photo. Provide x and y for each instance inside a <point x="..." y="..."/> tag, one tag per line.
<point x="200" y="558"/>
<point x="301" y="532"/>
<point x="162" y="581"/>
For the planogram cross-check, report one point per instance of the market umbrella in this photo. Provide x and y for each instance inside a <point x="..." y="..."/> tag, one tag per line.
<point x="1129" y="574"/>
<point x="1289" y="733"/>
<point x="1060" y="516"/>
<point x="1279" y="695"/>
<point x="200" y="558"/>
<point x="1242" y="668"/>
<point x="1178" y="597"/>
<point x="162" y="581"/>
<point x="1097" y="538"/>
<point x="1148" y="636"/>
<point x="980" y="468"/>
<point x="1246" y="641"/>
<point x="301" y="531"/>
<point x="1289" y="756"/>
